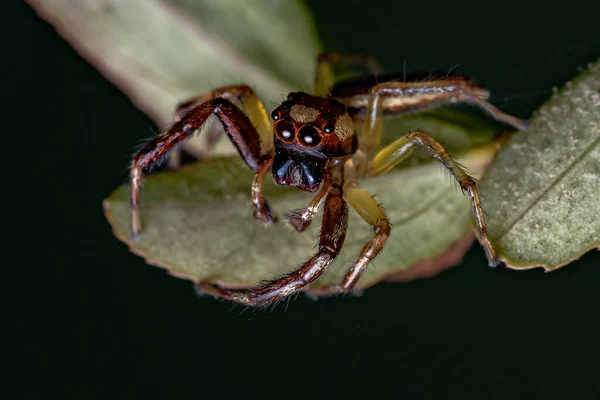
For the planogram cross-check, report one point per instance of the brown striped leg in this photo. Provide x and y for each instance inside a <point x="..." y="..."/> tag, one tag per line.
<point x="324" y="77"/>
<point x="393" y="154"/>
<point x="246" y="100"/>
<point x="237" y="126"/>
<point x="415" y="95"/>
<point x="398" y="97"/>
<point x="301" y="219"/>
<point x="333" y="233"/>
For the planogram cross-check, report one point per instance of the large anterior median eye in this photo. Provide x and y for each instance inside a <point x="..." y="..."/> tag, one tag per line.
<point x="309" y="136"/>
<point x="285" y="131"/>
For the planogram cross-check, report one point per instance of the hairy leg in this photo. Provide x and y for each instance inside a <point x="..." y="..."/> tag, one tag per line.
<point x="246" y="100"/>
<point x="395" y="97"/>
<point x="333" y="233"/>
<point x="393" y="154"/>
<point x="238" y="128"/>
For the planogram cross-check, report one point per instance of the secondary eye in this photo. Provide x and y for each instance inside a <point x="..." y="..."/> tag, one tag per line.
<point x="309" y="136"/>
<point x="329" y="128"/>
<point x="285" y="131"/>
<point x="275" y="115"/>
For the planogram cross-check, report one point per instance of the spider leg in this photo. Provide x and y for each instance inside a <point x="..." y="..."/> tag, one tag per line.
<point x="333" y="233"/>
<point x="393" y="154"/>
<point x="324" y="77"/>
<point x="262" y="210"/>
<point x="370" y="211"/>
<point x="398" y="97"/>
<point x="246" y="100"/>
<point x="301" y="219"/>
<point x="239" y="129"/>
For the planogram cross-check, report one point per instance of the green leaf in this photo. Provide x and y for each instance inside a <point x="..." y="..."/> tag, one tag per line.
<point x="457" y="129"/>
<point x="542" y="193"/>
<point x="197" y="223"/>
<point x="162" y="52"/>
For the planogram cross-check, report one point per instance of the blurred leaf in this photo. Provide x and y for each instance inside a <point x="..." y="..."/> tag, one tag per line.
<point x="161" y="52"/>
<point x="542" y="193"/>
<point x="197" y="223"/>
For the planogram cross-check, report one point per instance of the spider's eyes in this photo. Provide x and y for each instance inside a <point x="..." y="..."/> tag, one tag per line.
<point x="309" y="136"/>
<point x="275" y="115"/>
<point x="285" y="131"/>
<point x="329" y="128"/>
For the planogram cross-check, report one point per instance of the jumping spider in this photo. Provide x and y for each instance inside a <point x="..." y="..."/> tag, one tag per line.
<point x="313" y="145"/>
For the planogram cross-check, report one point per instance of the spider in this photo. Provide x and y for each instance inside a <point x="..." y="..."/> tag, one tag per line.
<point x="312" y="144"/>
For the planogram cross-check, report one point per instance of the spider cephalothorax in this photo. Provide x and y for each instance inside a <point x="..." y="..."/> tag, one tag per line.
<point x="312" y="145"/>
<point x="309" y="131"/>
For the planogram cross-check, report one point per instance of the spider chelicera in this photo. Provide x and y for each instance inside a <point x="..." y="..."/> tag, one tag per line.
<point x="312" y="144"/>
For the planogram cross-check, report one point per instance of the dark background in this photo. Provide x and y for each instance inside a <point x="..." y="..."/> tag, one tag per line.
<point x="95" y="320"/>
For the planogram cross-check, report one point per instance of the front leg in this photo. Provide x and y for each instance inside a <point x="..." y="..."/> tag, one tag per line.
<point x="247" y="101"/>
<point x="238" y="128"/>
<point x="333" y="233"/>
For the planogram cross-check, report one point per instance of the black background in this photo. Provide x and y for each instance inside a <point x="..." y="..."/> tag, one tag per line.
<point x="95" y="320"/>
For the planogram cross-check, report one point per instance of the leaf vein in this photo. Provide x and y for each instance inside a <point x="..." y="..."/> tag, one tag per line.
<point x="552" y="186"/>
